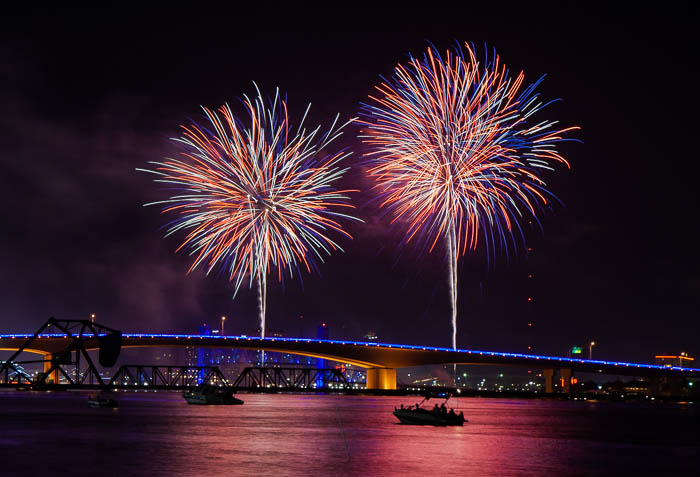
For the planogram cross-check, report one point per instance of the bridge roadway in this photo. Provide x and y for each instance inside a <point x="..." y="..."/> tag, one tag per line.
<point x="380" y="359"/>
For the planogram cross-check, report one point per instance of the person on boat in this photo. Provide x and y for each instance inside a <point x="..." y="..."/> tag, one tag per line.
<point x="443" y="408"/>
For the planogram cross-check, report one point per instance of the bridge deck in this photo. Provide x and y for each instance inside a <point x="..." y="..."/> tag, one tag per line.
<point x="364" y="354"/>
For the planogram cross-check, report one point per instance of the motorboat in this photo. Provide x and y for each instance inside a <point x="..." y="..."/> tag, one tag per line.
<point x="437" y="416"/>
<point x="211" y="395"/>
<point x="102" y="401"/>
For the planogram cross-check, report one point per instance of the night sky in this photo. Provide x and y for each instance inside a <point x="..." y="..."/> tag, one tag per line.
<point x="87" y="101"/>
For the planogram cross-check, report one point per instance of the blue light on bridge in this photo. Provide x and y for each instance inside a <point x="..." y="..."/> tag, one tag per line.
<point x="372" y="344"/>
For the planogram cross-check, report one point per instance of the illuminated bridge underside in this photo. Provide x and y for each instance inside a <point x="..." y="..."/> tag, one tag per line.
<point x="367" y="355"/>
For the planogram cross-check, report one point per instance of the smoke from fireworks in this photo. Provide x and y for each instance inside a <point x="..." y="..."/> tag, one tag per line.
<point x="456" y="152"/>
<point x="255" y="197"/>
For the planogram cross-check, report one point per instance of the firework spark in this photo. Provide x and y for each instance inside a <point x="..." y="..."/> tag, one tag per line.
<point x="456" y="153"/>
<point x="255" y="198"/>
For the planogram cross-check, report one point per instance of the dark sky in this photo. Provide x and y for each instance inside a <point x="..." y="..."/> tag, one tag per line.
<point x="87" y="100"/>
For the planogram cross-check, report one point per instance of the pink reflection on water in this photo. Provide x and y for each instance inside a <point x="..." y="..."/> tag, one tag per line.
<point x="320" y="435"/>
<point x="499" y="439"/>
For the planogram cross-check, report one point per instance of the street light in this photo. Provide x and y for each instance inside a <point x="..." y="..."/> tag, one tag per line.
<point x="590" y="350"/>
<point x="92" y="317"/>
<point x="223" y="318"/>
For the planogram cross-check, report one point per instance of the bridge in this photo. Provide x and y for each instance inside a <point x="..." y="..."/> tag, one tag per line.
<point x="381" y="360"/>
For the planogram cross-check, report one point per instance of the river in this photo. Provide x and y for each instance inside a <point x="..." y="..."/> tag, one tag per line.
<point x="157" y="433"/>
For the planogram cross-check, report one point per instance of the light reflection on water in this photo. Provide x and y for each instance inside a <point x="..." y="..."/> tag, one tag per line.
<point x="319" y="435"/>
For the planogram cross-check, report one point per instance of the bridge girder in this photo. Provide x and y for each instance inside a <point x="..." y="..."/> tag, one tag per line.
<point x="366" y="355"/>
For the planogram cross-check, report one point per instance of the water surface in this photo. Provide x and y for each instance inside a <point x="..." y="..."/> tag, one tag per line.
<point x="319" y="435"/>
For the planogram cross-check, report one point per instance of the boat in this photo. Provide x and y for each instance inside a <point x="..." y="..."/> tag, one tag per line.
<point x="102" y="401"/>
<point x="211" y="395"/>
<point x="437" y="416"/>
<point x="425" y="417"/>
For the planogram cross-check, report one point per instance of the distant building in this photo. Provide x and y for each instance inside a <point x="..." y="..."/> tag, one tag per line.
<point x="681" y="360"/>
<point x="165" y="357"/>
<point x="232" y="361"/>
<point x="629" y="387"/>
<point x="191" y="355"/>
<point x="322" y="332"/>
<point x="204" y="354"/>
<point x="371" y="336"/>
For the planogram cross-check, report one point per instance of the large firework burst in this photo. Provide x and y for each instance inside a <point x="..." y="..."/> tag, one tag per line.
<point x="456" y="152"/>
<point x="255" y="197"/>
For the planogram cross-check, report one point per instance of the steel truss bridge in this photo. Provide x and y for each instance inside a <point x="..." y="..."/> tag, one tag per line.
<point x="159" y="377"/>
<point x="292" y="378"/>
<point x="153" y="377"/>
<point x="166" y="377"/>
<point x="128" y="377"/>
<point x="380" y="359"/>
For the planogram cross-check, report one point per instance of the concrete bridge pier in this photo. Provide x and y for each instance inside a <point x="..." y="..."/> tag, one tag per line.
<point x="564" y="373"/>
<point x="548" y="380"/>
<point x="53" y="377"/>
<point x="381" y="378"/>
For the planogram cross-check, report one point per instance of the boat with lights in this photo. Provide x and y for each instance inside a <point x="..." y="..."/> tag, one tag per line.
<point x="211" y="395"/>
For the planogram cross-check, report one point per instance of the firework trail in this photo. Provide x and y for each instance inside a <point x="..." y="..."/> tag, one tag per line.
<point x="256" y="197"/>
<point x="456" y="153"/>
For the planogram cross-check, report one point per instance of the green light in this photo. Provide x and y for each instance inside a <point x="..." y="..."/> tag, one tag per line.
<point x="690" y="383"/>
<point x="576" y="350"/>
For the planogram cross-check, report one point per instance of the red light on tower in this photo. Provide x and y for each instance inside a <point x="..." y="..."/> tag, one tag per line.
<point x="529" y="298"/>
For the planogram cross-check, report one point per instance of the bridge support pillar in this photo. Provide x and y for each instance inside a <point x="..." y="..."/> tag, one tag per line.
<point x="53" y="377"/>
<point x="548" y="380"/>
<point x="566" y="375"/>
<point x="381" y="378"/>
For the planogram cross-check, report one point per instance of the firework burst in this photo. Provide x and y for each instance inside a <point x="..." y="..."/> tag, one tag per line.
<point x="456" y="152"/>
<point x="255" y="198"/>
